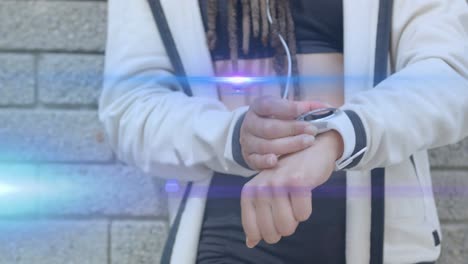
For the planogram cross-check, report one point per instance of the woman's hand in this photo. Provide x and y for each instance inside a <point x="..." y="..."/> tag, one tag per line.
<point x="275" y="201"/>
<point x="270" y="129"/>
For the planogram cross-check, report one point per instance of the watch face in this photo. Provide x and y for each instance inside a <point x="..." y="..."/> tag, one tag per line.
<point x="317" y="114"/>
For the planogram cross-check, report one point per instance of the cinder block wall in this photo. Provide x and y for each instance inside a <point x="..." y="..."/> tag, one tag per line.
<point x="73" y="202"/>
<point x="76" y="204"/>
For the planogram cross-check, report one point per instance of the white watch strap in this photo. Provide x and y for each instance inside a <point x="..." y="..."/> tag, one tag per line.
<point x="347" y="124"/>
<point x="343" y="125"/>
<point x="341" y="164"/>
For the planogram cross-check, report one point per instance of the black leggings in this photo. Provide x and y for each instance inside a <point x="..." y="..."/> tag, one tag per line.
<point x="321" y="239"/>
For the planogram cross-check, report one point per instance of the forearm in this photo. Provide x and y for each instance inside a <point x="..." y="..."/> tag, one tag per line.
<point x="413" y="110"/>
<point x="158" y="130"/>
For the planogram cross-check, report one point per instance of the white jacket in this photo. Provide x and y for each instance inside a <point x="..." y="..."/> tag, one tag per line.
<point x="424" y="104"/>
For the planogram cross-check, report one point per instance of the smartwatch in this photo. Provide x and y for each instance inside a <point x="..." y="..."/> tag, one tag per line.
<point x="326" y="119"/>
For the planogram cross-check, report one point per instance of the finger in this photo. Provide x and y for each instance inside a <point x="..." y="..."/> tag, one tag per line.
<point x="268" y="106"/>
<point x="264" y="216"/>
<point x="248" y="214"/>
<point x="301" y="202"/>
<point x="279" y="146"/>
<point x="282" y="211"/>
<point x="270" y="128"/>
<point x="306" y="106"/>
<point x="261" y="161"/>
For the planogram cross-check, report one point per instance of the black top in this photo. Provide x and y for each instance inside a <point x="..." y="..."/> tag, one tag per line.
<point x="320" y="239"/>
<point x="318" y="23"/>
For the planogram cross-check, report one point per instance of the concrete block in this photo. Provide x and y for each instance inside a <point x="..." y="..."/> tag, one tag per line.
<point x="16" y="79"/>
<point x="455" y="155"/>
<point x="39" y="135"/>
<point x="53" y="242"/>
<point x="137" y="242"/>
<point x="53" y="25"/>
<point x="455" y="244"/>
<point x="68" y="79"/>
<point x="451" y="192"/>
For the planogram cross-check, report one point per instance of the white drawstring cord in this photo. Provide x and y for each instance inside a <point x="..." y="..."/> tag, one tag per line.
<point x="288" y="53"/>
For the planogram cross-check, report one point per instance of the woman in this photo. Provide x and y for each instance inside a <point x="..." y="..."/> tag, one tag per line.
<point x="216" y="141"/>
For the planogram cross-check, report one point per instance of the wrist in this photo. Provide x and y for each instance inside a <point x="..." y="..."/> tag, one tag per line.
<point x="334" y="142"/>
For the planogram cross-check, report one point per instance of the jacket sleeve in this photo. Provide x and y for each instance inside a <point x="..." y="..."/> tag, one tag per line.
<point x="149" y="122"/>
<point x="425" y="103"/>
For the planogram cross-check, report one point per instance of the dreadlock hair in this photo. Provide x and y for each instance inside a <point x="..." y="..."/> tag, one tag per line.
<point x="255" y="22"/>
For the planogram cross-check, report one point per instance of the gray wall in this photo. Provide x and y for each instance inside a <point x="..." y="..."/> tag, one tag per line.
<point x="79" y="205"/>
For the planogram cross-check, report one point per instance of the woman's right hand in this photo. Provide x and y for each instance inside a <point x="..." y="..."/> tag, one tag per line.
<point x="270" y="129"/>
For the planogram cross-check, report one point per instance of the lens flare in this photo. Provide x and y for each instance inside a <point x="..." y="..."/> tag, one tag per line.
<point x="238" y="80"/>
<point x="172" y="186"/>
<point x="7" y="189"/>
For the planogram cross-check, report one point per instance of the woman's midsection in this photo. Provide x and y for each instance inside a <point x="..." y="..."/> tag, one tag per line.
<point x="321" y="79"/>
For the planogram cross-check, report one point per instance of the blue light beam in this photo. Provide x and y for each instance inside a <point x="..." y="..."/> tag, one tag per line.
<point x="7" y="189"/>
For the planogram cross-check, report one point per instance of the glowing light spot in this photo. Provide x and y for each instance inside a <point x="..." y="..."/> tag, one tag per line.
<point x="235" y="80"/>
<point x="6" y="189"/>
<point x="172" y="186"/>
<point x="239" y="80"/>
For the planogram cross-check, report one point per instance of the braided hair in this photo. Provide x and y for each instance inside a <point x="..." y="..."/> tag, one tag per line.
<point x="255" y="22"/>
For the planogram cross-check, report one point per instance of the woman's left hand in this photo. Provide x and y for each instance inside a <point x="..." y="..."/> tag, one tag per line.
<point x="275" y="201"/>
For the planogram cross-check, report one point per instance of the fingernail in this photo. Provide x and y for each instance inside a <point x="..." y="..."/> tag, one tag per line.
<point x="311" y="130"/>
<point x="308" y="140"/>
<point x="249" y="243"/>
